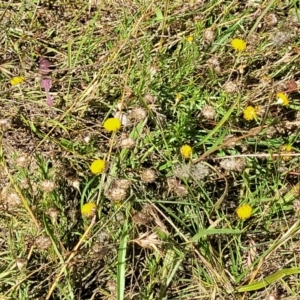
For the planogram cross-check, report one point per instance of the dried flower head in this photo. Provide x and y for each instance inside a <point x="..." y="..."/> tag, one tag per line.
<point x="47" y="186"/>
<point x="53" y="213"/>
<point x="123" y="118"/>
<point x="4" y="124"/>
<point x="238" y="44"/>
<point x="250" y="113"/>
<point x="122" y="183"/>
<point x="21" y="263"/>
<point x="230" y="87"/>
<point x="233" y="164"/>
<point x="181" y="190"/>
<point x="182" y="171"/>
<point x="150" y="99"/>
<point x="127" y="143"/>
<point x="199" y="171"/>
<point x="138" y="114"/>
<point x="271" y="19"/>
<point x="17" y="80"/>
<point x="244" y="211"/>
<point x="214" y="64"/>
<point x="186" y="151"/>
<point x="97" y="166"/>
<point x="12" y="200"/>
<point x="282" y="99"/>
<point x="281" y="37"/>
<point x="112" y="124"/>
<point x="296" y="206"/>
<point x="148" y="175"/>
<point x="42" y="242"/>
<point x="208" y="112"/>
<point x="209" y="35"/>
<point x="116" y="194"/>
<point x="88" y="209"/>
<point x="22" y="161"/>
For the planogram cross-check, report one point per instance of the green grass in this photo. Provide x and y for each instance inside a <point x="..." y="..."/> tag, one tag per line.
<point x="173" y="232"/>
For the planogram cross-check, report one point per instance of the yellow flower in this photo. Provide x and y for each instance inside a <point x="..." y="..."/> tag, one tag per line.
<point x="97" y="166"/>
<point x="244" y="211"/>
<point x="250" y="113"/>
<point x="88" y="209"/>
<point x="238" y="44"/>
<point x="112" y="124"/>
<point x="282" y="99"/>
<point x="186" y="151"/>
<point x="286" y="149"/>
<point x="17" y="80"/>
<point x="190" y="39"/>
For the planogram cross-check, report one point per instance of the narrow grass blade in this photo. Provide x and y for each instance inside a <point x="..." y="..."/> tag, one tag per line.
<point x="121" y="263"/>
<point x="268" y="280"/>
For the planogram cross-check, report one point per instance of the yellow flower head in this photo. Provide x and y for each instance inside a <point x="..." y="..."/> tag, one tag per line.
<point x="238" y="44"/>
<point x="286" y="149"/>
<point x="17" y="80"/>
<point x="97" y="166"/>
<point x="112" y="124"/>
<point x="250" y="113"/>
<point x="244" y="211"/>
<point x="282" y="99"/>
<point x="88" y="209"/>
<point x="186" y="151"/>
<point x="190" y="39"/>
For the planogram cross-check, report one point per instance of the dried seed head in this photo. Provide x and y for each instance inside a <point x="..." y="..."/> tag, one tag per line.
<point x="172" y="183"/>
<point x="296" y="206"/>
<point x="53" y="213"/>
<point x="230" y="87"/>
<point x="122" y="183"/>
<point x="232" y="164"/>
<point x="208" y="112"/>
<point x="182" y="171"/>
<point x="116" y="194"/>
<point x="4" y="124"/>
<point x="123" y="118"/>
<point x="214" y="64"/>
<point x="149" y="99"/>
<point x="42" y="242"/>
<point x="21" y="263"/>
<point x="138" y="114"/>
<point x="127" y="143"/>
<point x="148" y="175"/>
<point x="47" y="186"/>
<point x="272" y="297"/>
<point x="153" y="70"/>
<point x="181" y="190"/>
<point x="209" y="35"/>
<point x="12" y="200"/>
<point x="271" y="19"/>
<point x="199" y="171"/>
<point x="281" y="38"/>
<point x="22" y="161"/>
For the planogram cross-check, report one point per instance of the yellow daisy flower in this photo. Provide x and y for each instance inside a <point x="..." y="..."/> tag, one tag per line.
<point x="238" y="44"/>
<point x="88" y="209"/>
<point x="282" y="99"/>
<point x="97" y="166"/>
<point x="286" y="149"/>
<point x="190" y="39"/>
<point x="250" y="113"/>
<point x="244" y="211"/>
<point x="112" y="124"/>
<point x="186" y="151"/>
<point x="17" y="80"/>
